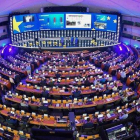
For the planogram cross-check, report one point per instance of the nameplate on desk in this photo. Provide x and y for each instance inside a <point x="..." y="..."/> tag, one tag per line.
<point x="26" y="99"/>
<point x="128" y="109"/>
<point x="45" y="103"/>
<point x="109" y="99"/>
<point x="89" y="102"/>
<point x="57" y="105"/>
<point x="100" y="116"/>
<point x="67" y="105"/>
<point x="80" y="103"/>
<point x="108" y="115"/>
<point x="61" y="91"/>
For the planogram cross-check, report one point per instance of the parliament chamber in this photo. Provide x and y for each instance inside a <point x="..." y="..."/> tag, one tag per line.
<point x="67" y="75"/>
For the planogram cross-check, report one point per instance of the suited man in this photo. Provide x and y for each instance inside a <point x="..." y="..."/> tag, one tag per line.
<point x="77" y="93"/>
<point x="57" y="75"/>
<point x="88" y="124"/>
<point x="45" y="93"/>
<point x="43" y="82"/>
<point x="87" y="83"/>
<point x="107" y="65"/>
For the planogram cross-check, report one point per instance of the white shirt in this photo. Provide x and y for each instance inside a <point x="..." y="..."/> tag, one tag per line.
<point x="115" y="88"/>
<point x="123" y="74"/>
<point x="11" y="80"/>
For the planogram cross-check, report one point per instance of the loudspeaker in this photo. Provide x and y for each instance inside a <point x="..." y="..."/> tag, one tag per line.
<point x="65" y="9"/>
<point x="87" y="9"/>
<point x="42" y="10"/>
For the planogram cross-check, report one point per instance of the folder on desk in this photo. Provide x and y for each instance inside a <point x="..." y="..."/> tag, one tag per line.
<point x="45" y="102"/>
<point x="86" y="118"/>
<point x="80" y="103"/>
<point x="45" y="115"/>
<point x="57" y="105"/>
<point x="26" y="99"/>
<point x="84" y="115"/>
<point x="109" y="99"/>
<point x="128" y="109"/>
<point x="108" y="115"/>
<point x="100" y="115"/>
<point x="61" y="91"/>
<point x="38" y="88"/>
<point x="67" y="105"/>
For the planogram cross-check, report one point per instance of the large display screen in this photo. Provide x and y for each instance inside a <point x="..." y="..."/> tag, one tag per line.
<point x="64" y="21"/>
<point x="51" y="21"/>
<point x="104" y="22"/>
<point x="78" y="21"/>
<point x="24" y="23"/>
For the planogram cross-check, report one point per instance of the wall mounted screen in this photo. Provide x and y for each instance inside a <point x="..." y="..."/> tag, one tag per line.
<point x="104" y="22"/>
<point x="81" y="21"/>
<point x="51" y="21"/>
<point x="64" y="21"/>
<point x="24" y="23"/>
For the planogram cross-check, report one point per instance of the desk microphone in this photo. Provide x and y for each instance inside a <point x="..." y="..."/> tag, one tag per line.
<point x="61" y="20"/>
<point x="54" y="20"/>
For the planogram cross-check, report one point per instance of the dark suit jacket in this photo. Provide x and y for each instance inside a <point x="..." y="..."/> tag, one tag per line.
<point x="45" y="94"/>
<point x="57" y="75"/>
<point x="43" y="82"/>
<point x="88" y="125"/>
<point x="77" y="94"/>
<point x="87" y="83"/>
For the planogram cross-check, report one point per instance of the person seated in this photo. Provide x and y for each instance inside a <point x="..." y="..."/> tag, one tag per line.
<point x="88" y="124"/>
<point x="107" y="65"/>
<point x="10" y="121"/>
<point x="103" y="81"/>
<point x="86" y="63"/>
<point x="23" y="103"/>
<point x="110" y="79"/>
<point x="79" y="82"/>
<point x="107" y="91"/>
<point x="87" y="83"/>
<point x="115" y="89"/>
<point x="130" y="127"/>
<point x="77" y="93"/>
<point x="95" y="81"/>
<point x="51" y="83"/>
<point x="123" y="76"/>
<point x="43" y="82"/>
<point x="66" y="89"/>
<point x="57" y="75"/>
<point x="45" y="93"/>
<point x="123" y="115"/>
<point x="124" y="97"/>
<point x="36" y="71"/>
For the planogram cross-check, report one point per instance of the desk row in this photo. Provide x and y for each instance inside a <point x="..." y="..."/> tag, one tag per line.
<point x="57" y="121"/>
<point x="66" y="104"/>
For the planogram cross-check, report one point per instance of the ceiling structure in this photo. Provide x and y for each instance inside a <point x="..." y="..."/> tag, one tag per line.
<point x="126" y="7"/>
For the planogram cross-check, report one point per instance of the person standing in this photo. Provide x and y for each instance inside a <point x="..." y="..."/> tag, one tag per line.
<point x="28" y="69"/>
<point x="12" y="82"/>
